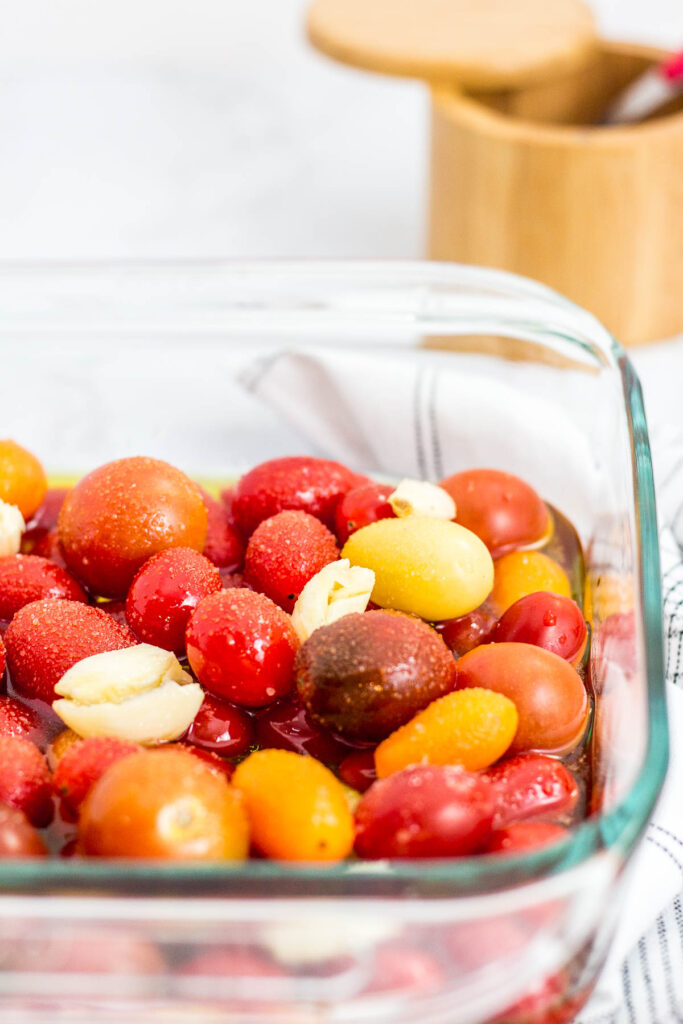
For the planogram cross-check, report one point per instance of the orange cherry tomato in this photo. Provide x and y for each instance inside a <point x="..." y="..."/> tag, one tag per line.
<point x="548" y="693"/>
<point x="22" y="478"/>
<point x="504" y="511"/>
<point x="121" y="514"/>
<point x="526" y="572"/>
<point x="164" y="803"/>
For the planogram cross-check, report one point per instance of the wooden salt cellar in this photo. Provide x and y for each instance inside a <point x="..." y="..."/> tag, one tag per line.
<point x="523" y="178"/>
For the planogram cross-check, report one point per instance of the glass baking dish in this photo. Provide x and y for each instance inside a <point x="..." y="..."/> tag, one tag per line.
<point x="217" y="366"/>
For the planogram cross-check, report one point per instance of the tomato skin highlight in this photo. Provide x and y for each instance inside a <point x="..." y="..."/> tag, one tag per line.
<point x="503" y="510"/>
<point x="548" y="693"/>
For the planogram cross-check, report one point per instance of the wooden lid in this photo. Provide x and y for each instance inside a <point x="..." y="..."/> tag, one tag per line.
<point x="479" y="44"/>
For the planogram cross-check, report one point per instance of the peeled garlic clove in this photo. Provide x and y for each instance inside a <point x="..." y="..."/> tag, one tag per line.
<point x="12" y="526"/>
<point x="419" y="498"/>
<point x="337" y="590"/>
<point x="116" y="675"/>
<point x="139" y="693"/>
<point x="156" y="716"/>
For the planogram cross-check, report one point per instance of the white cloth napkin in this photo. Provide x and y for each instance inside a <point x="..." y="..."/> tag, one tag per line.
<point x="381" y="415"/>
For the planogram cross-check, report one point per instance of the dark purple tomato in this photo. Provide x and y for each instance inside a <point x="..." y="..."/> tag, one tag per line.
<point x="425" y="811"/>
<point x="221" y="728"/>
<point x="546" y="620"/>
<point x="467" y="632"/>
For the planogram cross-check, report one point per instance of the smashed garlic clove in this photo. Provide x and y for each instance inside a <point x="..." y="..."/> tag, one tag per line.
<point x="337" y="590"/>
<point x="12" y="526"/>
<point x="117" y="675"/>
<point x="419" y="498"/>
<point x="139" y="693"/>
<point x="156" y="716"/>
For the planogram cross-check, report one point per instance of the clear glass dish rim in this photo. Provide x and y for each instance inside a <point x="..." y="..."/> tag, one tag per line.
<point x="617" y="830"/>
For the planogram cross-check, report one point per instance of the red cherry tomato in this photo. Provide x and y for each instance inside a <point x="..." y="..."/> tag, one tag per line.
<point x="241" y="647"/>
<point x="546" y="620"/>
<point x="222" y="728"/>
<point x="224" y="545"/>
<point x="288" y="726"/>
<point x="548" y="693"/>
<point x="500" y="508"/>
<point x="358" y="770"/>
<point x="469" y="631"/>
<point x="298" y="482"/>
<point x="20" y="719"/>
<point x="525" y="835"/>
<point x="530" y="786"/>
<point x="27" y="578"/>
<point x="285" y="552"/>
<point x="164" y="594"/>
<point x="425" y="811"/>
<point x="361" y="506"/>
<point x="18" y="838"/>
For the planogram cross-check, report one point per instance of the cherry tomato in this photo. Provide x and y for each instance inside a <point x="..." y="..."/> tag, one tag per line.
<point x="18" y="838"/>
<point x="520" y="573"/>
<point x="547" y="620"/>
<point x="27" y="578"/>
<point x="221" y="727"/>
<point x="121" y="514"/>
<point x="20" y="719"/>
<point x="361" y="506"/>
<point x="548" y="693"/>
<point x="469" y="631"/>
<point x="224" y="545"/>
<point x="298" y="482"/>
<point x="22" y="478"/>
<point x="241" y="647"/>
<point x="425" y="811"/>
<point x="165" y="592"/>
<point x="288" y="726"/>
<point x="163" y="803"/>
<point x="525" y="835"/>
<point x="358" y="770"/>
<point x="504" y="511"/>
<point x="530" y="786"/>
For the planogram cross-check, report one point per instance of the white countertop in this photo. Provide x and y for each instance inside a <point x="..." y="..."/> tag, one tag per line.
<point x="138" y="128"/>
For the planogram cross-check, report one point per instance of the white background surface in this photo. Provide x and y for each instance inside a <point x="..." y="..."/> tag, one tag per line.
<point x="133" y="128"/>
